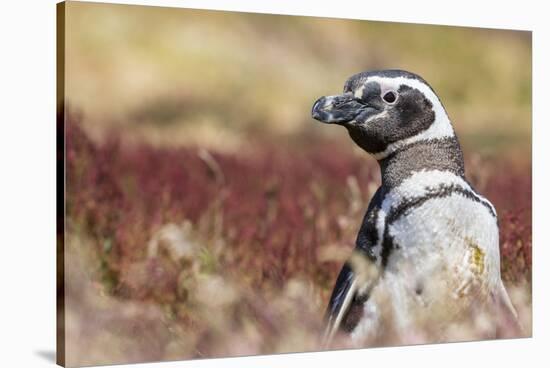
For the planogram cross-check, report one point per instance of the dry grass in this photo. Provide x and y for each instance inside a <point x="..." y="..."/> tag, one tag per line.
<point x="184" y="253"/>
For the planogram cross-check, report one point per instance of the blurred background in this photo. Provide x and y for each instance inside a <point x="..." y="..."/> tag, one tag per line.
<point x="176" y="76"/>
<point x="208" y="214"/>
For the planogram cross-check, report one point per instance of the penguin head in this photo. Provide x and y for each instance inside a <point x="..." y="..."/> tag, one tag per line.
<point x="386" y="110"/>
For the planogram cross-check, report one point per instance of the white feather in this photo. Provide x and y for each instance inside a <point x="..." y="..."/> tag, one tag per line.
<point x="440" y="128"/>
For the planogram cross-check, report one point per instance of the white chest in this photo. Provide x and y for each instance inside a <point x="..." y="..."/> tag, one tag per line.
<point x="444" y="240"/>
<point x="434" y="214"/>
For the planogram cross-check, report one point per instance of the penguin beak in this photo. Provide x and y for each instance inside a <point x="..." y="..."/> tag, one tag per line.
<point x="338" y="109"/>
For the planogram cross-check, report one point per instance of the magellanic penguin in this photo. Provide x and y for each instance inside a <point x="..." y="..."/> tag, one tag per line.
<point x="427" y="253"/>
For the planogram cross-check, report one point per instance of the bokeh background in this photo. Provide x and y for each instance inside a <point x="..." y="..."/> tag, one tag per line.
<point x="208" y="214"/>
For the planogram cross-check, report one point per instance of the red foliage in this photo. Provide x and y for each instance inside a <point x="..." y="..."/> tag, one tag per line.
<point x="510" y="191"/>
<point x="277" y="206"/>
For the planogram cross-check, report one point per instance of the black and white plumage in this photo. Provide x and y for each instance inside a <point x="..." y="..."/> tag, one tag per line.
<point x="428" y="248"/>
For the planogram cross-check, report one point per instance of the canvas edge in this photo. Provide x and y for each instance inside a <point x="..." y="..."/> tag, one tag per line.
<point x="60" y="183"/>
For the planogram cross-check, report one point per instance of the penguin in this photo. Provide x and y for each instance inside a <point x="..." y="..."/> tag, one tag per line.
<point x="427" y="252"/>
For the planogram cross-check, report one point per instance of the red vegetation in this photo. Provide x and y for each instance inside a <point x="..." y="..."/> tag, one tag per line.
<point x="273" y="209"/>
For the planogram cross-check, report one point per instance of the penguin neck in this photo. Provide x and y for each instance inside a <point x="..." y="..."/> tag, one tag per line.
<point x="443" y="154"/>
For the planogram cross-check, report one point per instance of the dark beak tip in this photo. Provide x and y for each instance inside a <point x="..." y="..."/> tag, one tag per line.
<point x="320" y="116"/>
<point x="315" y="115"/>
<point x="316" y="112"/>
<point x="316" y="105"/>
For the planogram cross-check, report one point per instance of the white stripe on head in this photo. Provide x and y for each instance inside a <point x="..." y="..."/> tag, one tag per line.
<point x="440" y="128"/>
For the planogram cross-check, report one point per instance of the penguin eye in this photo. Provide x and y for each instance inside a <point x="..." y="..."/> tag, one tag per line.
<point x="390" y="97"/>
